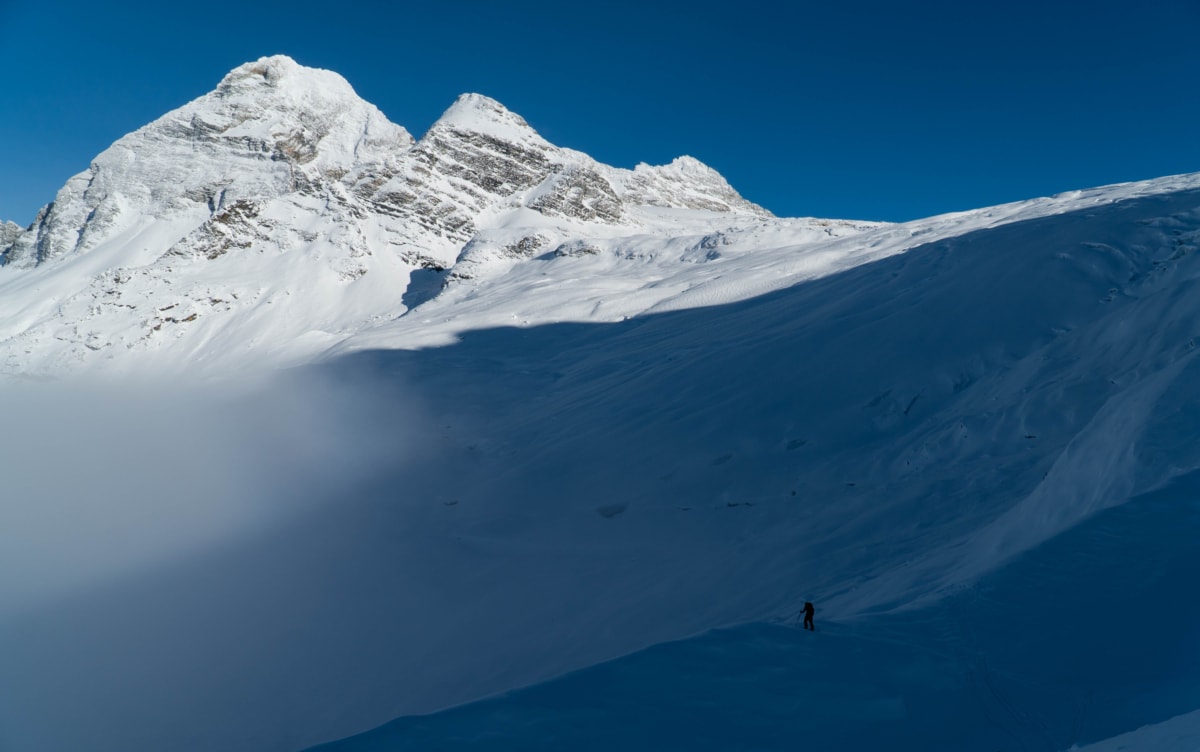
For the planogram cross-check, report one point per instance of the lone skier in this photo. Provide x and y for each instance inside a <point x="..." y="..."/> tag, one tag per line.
<point x="808" y="616"/>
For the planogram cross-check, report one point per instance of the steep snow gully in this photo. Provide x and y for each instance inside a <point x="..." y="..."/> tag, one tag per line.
<point x="565" y="447"/>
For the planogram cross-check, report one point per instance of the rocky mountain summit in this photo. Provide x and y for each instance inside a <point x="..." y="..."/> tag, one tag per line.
<point x="283" y="188"/>
<point x="9" y="232"/>
<point x="269" y="129"/>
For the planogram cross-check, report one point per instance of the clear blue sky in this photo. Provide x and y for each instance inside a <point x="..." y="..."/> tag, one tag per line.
<point x="870" y="109"/>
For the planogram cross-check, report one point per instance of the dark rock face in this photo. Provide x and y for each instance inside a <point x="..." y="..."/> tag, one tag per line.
<point x="577" y="248"/>
<point x="451" y="177"/>
<point x="235" y="227"/>
<point x="480" y="156"/>
<point x="583" y="194"/>
<point x="9" y="232"/>
<point x="31" y="247"/>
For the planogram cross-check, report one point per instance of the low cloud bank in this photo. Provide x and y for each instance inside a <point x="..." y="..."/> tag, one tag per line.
<point x="96" y="483"/>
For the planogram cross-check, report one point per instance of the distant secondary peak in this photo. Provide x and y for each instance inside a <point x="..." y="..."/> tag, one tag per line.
<point x="681" y="167"/>
<point x="689" y="183"/>
<point x="475" y="113"/>
<point x="690" y="164"/>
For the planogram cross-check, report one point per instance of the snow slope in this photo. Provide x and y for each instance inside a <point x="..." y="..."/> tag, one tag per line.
<point x="552" y="414"/>
<point x="1036" y="656"/>
<point x="1179" y="734"/>
<point x="573" y="492"/>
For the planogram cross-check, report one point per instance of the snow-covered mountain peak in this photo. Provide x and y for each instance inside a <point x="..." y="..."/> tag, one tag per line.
<point x="275" y="99"/>
<point x="686" y="182"/>
<point x="268" y="128"/>
<point x="273" y="69"/>
<point x="282" y="190"/>
<point x="475" y="113"/>
<point x="684" y="166"/>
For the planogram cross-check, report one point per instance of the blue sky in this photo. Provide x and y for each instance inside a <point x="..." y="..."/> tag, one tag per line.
<point x="872" y="110"/>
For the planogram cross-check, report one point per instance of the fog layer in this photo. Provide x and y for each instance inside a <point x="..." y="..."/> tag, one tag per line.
<point x="99" y="482"/>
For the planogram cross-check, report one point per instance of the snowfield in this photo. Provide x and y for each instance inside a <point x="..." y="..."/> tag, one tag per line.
<point x="485" y="444"/>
